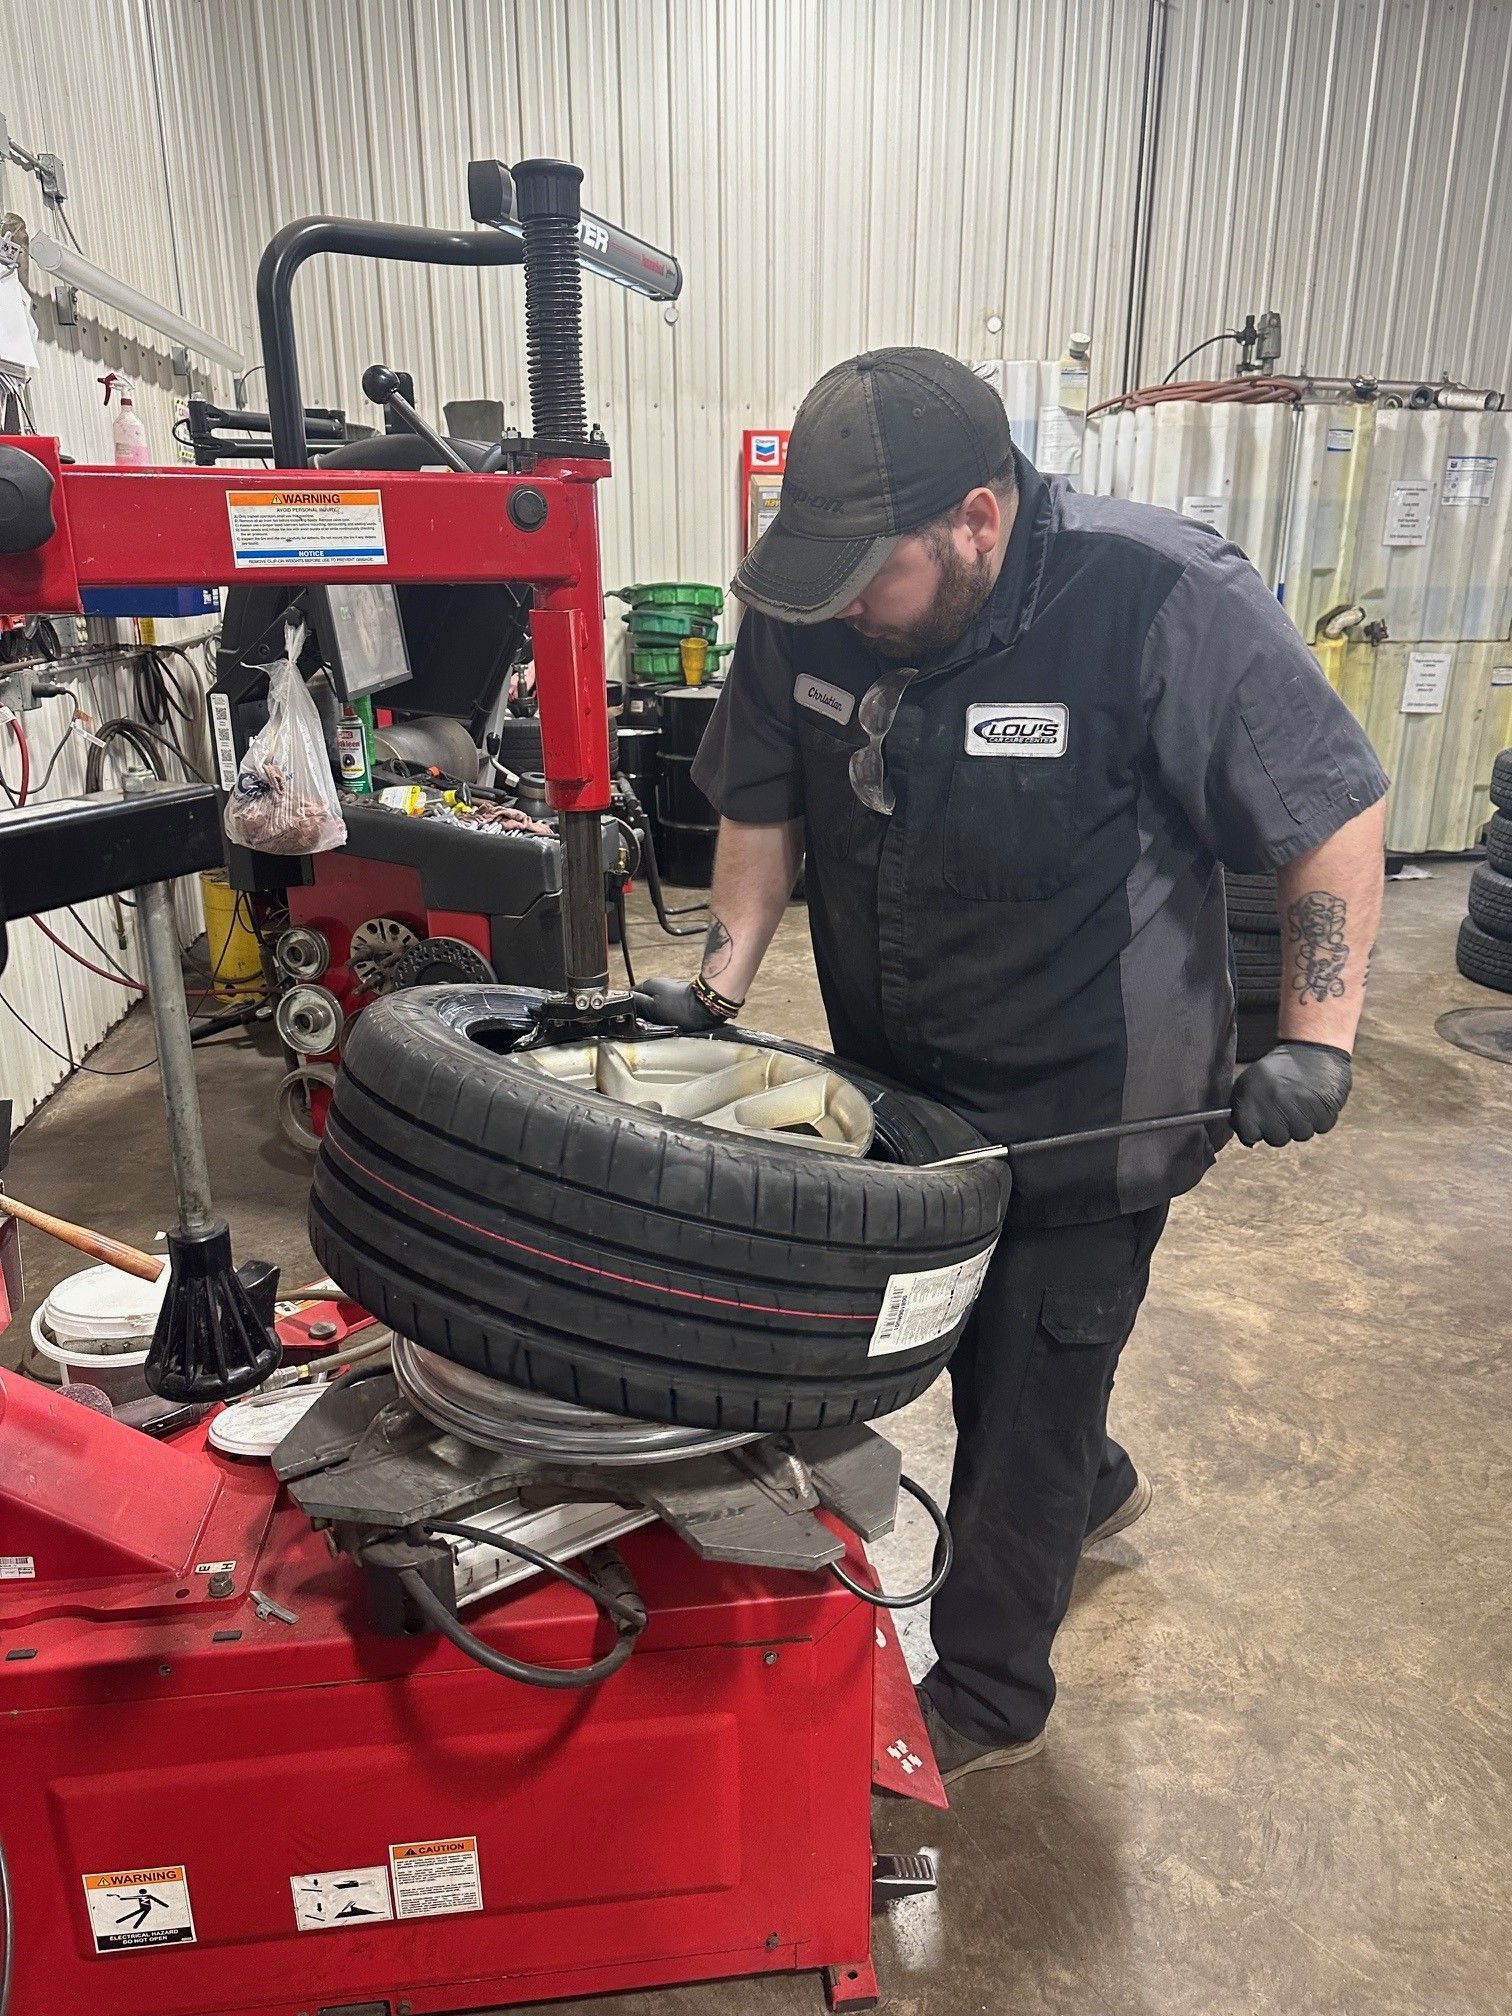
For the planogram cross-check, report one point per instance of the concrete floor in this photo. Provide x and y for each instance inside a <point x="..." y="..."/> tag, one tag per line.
<point x="1277" y="1775"/>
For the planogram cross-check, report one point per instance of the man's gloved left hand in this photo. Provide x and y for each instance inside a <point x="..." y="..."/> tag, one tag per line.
<point x="1291" y="1093"/>
<point x="674" y="1004"/>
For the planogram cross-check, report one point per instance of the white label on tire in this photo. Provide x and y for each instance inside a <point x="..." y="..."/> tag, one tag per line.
<point x="918" y="1308"/>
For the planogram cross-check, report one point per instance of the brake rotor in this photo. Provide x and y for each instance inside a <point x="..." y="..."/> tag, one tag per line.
<point x="436" y="960"/>
<point x="309" y="1019"/>
<point x="378" y="944"/>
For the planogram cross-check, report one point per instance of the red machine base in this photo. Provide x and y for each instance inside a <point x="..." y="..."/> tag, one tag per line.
<point x="213" y="1812"/>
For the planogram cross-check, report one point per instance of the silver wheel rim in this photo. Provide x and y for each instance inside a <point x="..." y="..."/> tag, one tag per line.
<point x="742" y="1088"/>
<point x="296" y="1093"/>
<point x="489" y="1414"/>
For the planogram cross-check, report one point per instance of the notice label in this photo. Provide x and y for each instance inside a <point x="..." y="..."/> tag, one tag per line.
<point x="341" y="1898"/>
<point x="1340" y="440"/>
<point x="1058" y="443"/>
<point x="1501" y="675"/>
<point x="131" y="1908"/>
<point x="307" y="528"/>
<point x="1469" y="479"/>
<point x="224" y="741"/>
<point x="18" y="1568"/>
<point x="1427" y="683"/>
<point x="1208" y="511"/>
<point x="1409" y="512"/>
<point x="433" y="1879"/>
<point x="918" y="1308"/>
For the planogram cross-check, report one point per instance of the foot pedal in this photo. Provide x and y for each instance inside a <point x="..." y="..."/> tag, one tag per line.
<point x="902" y="1876"/>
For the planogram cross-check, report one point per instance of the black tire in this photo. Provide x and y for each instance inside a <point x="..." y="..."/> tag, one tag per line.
<point x="600" y="1253"/>
<point x="1501" y="781"/>
<point x="1257" y="967"/>
<point x="1251" y="903"/>
<point x="1482" y="958"/>
<point x="1257" y="1032"/>
<point x="520" y="743"/>
<point x="1499" y="843"/>
<point x="1491" y="902"/>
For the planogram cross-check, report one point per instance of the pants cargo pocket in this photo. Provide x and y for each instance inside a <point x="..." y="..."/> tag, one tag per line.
<point x="1081" y="1332"/>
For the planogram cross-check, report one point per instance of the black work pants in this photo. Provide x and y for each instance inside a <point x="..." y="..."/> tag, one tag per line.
<point x="1035" y="1469"/>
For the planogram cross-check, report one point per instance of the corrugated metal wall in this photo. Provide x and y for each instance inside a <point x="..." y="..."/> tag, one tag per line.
<point x="833" y="174"/>
<point x="838" y="173"/>
<point x="81" y="81"/>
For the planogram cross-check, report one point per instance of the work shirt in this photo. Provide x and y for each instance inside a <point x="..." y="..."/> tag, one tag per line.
<point x="1036" y="935"/>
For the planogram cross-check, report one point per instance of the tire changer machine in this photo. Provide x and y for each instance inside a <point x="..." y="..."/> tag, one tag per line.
<point x="241" y="1771"/>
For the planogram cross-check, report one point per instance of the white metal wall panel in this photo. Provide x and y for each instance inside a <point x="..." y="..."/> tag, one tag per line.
<point x="1348" y="162"/>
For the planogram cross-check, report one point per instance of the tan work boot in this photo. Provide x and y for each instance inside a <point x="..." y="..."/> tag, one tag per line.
<point x="1133" y="1507"/>
<point x="958" y="1756"/>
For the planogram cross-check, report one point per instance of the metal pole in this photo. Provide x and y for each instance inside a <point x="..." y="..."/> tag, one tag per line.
<point x="157" y="929"/>
<point x="585" y="935"/>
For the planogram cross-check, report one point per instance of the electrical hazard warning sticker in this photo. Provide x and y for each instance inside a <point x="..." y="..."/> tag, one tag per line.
<point x="307" y="528"/>
<point x="432" y="1879"/>
<point x="337" y="1898"/>
<point x="131" y="1908"/>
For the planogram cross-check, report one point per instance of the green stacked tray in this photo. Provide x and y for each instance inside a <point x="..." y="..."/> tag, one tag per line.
<point x="660" y="614"/>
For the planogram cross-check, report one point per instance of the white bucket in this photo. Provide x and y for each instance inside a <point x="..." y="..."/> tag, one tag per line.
<point x="97" y="1325"/>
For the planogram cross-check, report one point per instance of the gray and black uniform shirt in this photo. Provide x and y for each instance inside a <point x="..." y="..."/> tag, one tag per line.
<point x="1036" y="935"/>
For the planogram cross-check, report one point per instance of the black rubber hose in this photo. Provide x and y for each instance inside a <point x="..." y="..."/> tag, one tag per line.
<point x="944" y="1556"/>
<point x="623" y="1606"/>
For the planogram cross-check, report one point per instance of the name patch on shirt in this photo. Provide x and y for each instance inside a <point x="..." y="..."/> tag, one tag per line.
<point x="820" y="698"/>
<point x="1017" y="728"/>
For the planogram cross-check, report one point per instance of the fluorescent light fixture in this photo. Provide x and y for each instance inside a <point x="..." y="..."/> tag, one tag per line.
<point x="64" y="264"/>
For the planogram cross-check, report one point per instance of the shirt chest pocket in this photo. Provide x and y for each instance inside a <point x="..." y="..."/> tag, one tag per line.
<point x="831" y="807"/>
<point x="1009" y="829"/>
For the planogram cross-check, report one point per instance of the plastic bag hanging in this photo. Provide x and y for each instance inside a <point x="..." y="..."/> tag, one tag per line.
<point x="284" y="800"/>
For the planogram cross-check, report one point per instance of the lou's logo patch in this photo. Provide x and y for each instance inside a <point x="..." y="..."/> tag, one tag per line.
<point x="822" y="698"/>
<point x="1017" y="728"/>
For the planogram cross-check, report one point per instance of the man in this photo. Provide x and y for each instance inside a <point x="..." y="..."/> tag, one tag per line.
<point x="1015" y="731"/>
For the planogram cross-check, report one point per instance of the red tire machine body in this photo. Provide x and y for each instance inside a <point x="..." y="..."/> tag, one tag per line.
<point x="223" y="1788"/>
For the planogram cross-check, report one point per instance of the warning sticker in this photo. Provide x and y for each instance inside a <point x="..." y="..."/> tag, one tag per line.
<point x="307" y="528"/>
<point x="131" y="1908"/>
<point x="432" y="1879"/>
<point x="917" y="1308"/>
<point x="18" y="1568"/>
<point x="341" y="1898"/>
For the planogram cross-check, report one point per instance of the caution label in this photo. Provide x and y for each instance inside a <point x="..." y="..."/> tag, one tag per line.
<point x="433" y="1879"/>
<point x="131" y="1908"/>
<point x="307" y="528"/>
<point x="341" y="1898"/>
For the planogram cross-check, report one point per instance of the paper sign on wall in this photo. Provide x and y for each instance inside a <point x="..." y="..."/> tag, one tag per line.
<point x="1427" y="684"/>
<point x="1469" y="479"/>
<point x="1501" y="675"/>
<point x="1409" y="512"/>
<point x="1208" y="511"/>
<point x="1340" y="440"/>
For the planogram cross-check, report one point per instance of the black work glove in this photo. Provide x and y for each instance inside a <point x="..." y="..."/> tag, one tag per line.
<point x="1291" y="1093"/>
<point x="674" y="1005"/>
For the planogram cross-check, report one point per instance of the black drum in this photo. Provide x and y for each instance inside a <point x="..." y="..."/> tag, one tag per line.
<point x="688" y="822"/>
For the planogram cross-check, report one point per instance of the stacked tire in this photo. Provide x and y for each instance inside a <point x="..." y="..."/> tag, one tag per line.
<point x="1255" y="949"/>
<point x="1484" y="951"/>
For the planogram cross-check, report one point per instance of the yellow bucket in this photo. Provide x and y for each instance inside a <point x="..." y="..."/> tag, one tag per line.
<point x="235" y="955"/>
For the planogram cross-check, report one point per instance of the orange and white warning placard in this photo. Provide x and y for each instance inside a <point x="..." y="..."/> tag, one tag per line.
<point x="432" y="1879"/>
<point x="132" y="1908"/>
<point x="307" y="528"/>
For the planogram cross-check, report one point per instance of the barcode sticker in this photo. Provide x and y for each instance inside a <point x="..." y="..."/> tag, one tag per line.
<point x="225" y="741"/>
<point x="918" y="1308"/>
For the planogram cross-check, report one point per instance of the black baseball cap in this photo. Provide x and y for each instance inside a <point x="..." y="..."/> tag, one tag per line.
<point x="882" y="444"/>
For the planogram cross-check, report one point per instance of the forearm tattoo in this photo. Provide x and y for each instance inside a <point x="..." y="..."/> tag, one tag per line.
<point x="1315" y="929"/>
<point x="718" y="949"/>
